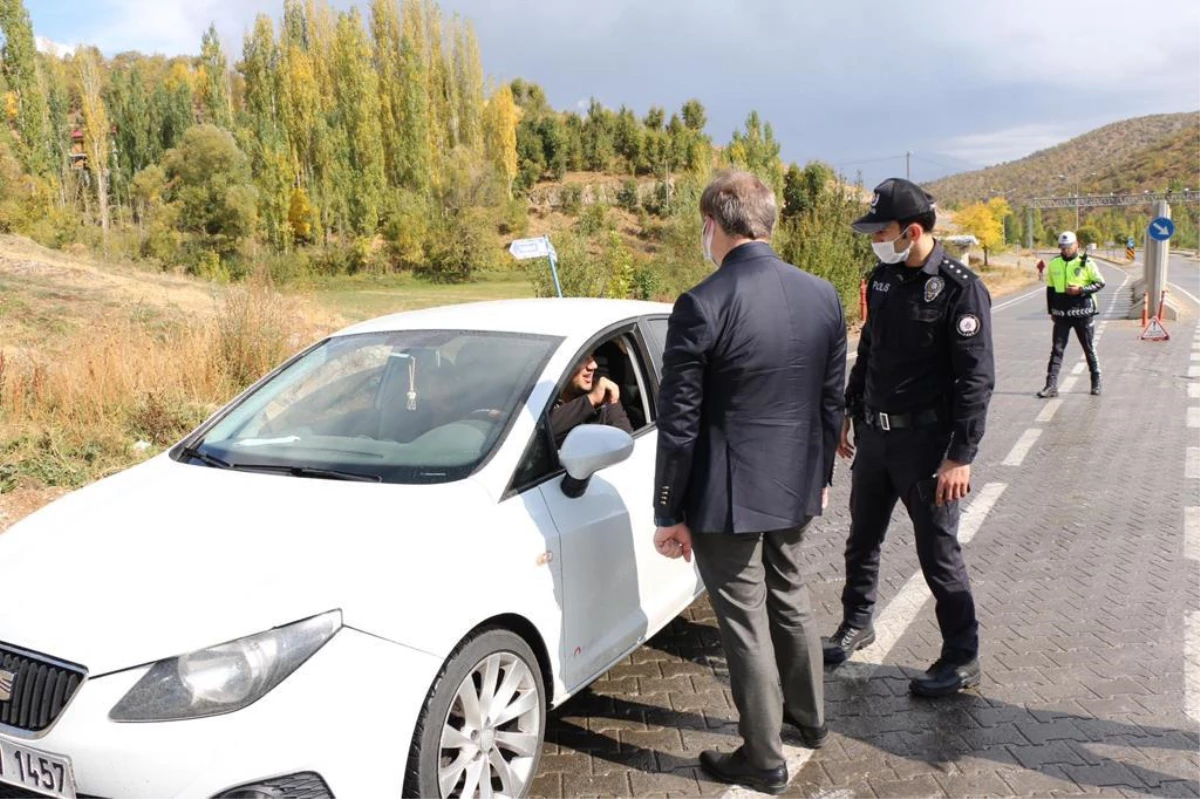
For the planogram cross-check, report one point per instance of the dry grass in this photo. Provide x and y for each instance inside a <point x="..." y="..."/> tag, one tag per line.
<point x="72" y="414"/>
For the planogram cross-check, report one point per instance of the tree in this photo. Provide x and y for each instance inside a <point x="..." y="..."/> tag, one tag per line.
<point x="757" y="151"/>
<point x="468" y="80"/>
<point x="215" y="90"/>
<point x="1088" y="234"/>
<point x="210" y="184"/>
<point x="19" y="68"/>
<point x="357" y="91"/>
<point x="412" y="157"/>
<point x="694" y="116"/>
<point x="500" y="134"/>
<point x="95" y="125"/>
<point x="979" y="219"/>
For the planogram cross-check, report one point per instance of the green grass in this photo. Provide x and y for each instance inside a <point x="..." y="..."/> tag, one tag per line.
<point x="366" y="296"/>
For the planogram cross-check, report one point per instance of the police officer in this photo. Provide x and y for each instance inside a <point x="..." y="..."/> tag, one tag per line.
<point x="1071" y="284"/>
<point x="918" y="397"/>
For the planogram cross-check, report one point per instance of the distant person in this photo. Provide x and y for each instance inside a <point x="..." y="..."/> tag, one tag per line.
<point x="918" y="397"/>
<point x="1071" y="285"/>
<point x="748" y="421"/>
<point x="1041" y="268"/>
<point x="587" y="399"/>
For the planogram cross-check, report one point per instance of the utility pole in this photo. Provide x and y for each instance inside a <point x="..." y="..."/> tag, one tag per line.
<point x="908" y="165"/>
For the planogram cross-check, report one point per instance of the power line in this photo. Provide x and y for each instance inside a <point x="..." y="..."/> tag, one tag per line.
<point x="869" y="160"/>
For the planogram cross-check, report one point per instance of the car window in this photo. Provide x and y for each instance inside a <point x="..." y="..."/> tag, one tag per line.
<point x="408" y="406"/>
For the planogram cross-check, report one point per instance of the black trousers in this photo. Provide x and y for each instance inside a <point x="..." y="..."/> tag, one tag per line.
<point x="900" y="465"/>
<point x="1085" y="331"/>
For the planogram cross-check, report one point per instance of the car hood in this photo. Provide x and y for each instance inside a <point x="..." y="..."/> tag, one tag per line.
<point x="166" y="558"/>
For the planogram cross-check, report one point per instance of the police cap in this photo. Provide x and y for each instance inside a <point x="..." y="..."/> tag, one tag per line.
<point x="895" y="199"/>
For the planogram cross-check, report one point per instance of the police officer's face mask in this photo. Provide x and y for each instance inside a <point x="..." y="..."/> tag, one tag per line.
<point x="886" y="252"/>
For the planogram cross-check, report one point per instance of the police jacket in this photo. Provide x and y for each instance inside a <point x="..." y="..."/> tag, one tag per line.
<point x="1062" y="274"/>
<point x="927" y="345"/>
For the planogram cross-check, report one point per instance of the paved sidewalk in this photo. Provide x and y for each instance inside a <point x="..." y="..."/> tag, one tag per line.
<point x="1088" y="595"/>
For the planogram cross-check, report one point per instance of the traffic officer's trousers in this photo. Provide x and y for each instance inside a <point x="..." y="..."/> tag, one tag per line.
<point x="901" y="464"/>
<point x="1085" y="330"/>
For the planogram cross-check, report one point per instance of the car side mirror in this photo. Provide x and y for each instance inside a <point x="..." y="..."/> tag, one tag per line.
<point x="588" y="449"/>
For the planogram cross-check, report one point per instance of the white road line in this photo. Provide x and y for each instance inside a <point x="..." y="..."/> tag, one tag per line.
<point x="1191" y="665"/>
<point x="1192" y="469"/>
<point x="1022" y="298"/>
<point x="914" y="595"/>
<point x="1067" y="385"/>
<point x="1193" y="417"/>
<point x="1017" y="455"/>
<point x="1194" y="371"/>
<point x="1196" y="355"/>
<point x="1191" y="533"/>
<point x="1052" y="407"/>
<point x="1187" y="293"/>
<point x="1193" y="390"/>
<point x="1078" y="368"/>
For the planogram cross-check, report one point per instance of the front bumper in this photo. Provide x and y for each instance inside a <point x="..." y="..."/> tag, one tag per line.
<point x="347" y="714"/>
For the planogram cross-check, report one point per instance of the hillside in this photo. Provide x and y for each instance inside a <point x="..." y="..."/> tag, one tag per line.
<point x="1152" y="152"/>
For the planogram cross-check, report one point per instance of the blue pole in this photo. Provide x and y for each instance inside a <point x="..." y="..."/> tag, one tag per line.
<point x="553" y="265"/>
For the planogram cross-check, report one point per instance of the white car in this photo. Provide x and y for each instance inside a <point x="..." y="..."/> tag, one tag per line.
<point x="369" y="575"/>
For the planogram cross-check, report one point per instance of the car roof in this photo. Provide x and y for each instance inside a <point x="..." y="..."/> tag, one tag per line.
<point x="550" y="316"/>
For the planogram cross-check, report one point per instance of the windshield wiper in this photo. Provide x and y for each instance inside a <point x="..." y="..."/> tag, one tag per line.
<point x="216" y="463"/>
<point x="308" y="471"/>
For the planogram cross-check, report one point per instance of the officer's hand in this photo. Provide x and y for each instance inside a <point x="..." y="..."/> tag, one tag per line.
<point x="1074" y="291"/>
<point x="671" y="542"/>
<point x="846" y="446"/>
<point x="954" y="481"/>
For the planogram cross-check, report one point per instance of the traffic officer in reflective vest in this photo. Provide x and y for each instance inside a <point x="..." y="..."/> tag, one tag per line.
<point x="1072" y="281"/>
<point x="918" y="397"/>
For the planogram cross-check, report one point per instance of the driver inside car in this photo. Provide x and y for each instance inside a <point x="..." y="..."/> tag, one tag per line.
<point x="587" y="399"/>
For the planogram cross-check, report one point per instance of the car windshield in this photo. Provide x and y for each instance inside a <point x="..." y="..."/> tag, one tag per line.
<point x="400" y="407"/>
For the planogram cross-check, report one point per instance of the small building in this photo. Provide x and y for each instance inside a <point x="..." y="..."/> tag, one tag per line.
<point x="77" y="156"/>
<point x="959" y="246"/>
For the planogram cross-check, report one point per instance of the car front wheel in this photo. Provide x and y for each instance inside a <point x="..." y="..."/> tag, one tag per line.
<point x="480" y="732"/>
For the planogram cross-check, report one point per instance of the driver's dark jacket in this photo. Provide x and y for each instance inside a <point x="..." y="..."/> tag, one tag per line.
<point x="566" y="416"/>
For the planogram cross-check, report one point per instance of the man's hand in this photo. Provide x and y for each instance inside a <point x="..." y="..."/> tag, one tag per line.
<point x="604" y="392"/>
<point x="671" y="542"/>
<point x="824" y="497"/>
<point x="846" y="446"/>
<point x="1074" y="291"/>
<point x="954" y="481"/>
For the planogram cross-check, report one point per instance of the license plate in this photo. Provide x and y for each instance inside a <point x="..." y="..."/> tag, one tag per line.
<point x="38" y="771"/>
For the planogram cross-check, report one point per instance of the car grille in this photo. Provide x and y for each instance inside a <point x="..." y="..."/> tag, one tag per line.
<point x="305" y="785"/>
<point x="41" y="688"/>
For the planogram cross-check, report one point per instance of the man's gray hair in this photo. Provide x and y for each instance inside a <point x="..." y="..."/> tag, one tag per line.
<point x="741" y="204"/>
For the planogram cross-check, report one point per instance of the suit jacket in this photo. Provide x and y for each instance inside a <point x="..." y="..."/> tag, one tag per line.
<point x="751" y="404"/>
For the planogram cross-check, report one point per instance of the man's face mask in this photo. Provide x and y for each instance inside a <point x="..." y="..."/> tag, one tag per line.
<point x="886" y="252"/>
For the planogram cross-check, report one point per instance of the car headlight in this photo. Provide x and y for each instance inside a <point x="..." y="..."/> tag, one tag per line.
<point x="227" y="677"/>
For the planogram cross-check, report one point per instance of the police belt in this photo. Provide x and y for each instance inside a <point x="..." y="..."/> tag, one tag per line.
<point x="901" y="421"/>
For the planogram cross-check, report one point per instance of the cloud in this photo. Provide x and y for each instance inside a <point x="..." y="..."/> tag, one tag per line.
<point x="1006" y="144"/>
<point x="51" y="47"/>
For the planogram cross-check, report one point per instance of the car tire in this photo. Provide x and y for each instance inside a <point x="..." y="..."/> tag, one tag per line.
<point x="461" y="739"/>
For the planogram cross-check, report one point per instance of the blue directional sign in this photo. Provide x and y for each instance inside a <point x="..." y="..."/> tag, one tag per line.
<point x="1161" y="229"/>
<point x="1129" y="242"/>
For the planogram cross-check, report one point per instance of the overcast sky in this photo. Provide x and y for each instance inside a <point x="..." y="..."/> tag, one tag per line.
<point x="961" y="83"/>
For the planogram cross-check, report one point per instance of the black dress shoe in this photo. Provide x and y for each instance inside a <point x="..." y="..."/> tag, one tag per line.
<point x="813" y="737"/>
<point x="734" y="769"/>
<point x="842" y="644"/>
<point x="945" y="677"/>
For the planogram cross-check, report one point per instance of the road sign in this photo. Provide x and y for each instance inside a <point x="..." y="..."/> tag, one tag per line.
<point x="1155" y="331"/>
<point x="1130" y="242"/>
<point x="1161" y="229"/>
<point x="524" y="249"/>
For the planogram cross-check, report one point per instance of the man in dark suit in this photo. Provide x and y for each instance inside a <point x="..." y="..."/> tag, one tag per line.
<point x="748" y="423"/>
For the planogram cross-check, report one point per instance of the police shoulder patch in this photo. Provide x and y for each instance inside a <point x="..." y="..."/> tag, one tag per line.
<point x="956" y="272"/>
<point x="967" y="325"/>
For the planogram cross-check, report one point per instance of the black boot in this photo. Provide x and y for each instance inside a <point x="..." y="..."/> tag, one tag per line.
<point x="733" y="768"/>
<point x="1095" y="384"/>
<point x="1051" y="389"/>
<point x="946" y="677"/>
